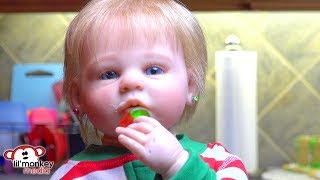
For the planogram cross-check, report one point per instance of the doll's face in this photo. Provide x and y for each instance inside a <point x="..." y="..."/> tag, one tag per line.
<point x="116" y="77"/>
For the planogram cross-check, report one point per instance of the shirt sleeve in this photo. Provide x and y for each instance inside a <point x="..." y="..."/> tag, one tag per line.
<point x="214" y="163"/>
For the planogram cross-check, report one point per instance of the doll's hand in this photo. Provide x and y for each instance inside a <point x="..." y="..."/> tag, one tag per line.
<point x="154" y="145"/>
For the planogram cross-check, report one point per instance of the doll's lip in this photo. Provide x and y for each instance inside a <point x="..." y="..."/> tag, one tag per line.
<point x="125" y="106"/>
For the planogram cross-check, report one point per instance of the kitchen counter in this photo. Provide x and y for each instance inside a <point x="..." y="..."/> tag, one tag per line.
<point x="281" y="174"/>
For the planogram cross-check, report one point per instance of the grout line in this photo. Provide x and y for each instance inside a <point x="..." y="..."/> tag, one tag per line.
<point x="274" y="145"/>
<point x="281" y="58"/>
<point x="53" y="49"/>
<point x="298" y="76"/>
<point x="311" y="89"/>
<point x="311" y="66"/>
<point x="50" y="52"/>
<point x="10" y="54"/>
<point x="64" y="20"/>
<point x="58" y="43"/>
<point x="272" y="103"/>
<point x="308" y="84"/>
<point x="275" y="100"/>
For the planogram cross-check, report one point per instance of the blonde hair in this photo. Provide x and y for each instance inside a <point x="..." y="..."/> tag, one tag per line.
<point x="152" y="17"/>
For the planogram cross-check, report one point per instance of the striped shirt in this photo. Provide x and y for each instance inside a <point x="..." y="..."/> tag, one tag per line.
<point x="206" y="161"/>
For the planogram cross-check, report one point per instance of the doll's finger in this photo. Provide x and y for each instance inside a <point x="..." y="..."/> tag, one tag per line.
<point x="135" y="147"/>
<point x="148" y="120"/>
<point x="132" y="134"/>
<point x="143" y="127"/>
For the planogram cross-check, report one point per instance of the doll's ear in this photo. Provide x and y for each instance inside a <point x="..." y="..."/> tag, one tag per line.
<point x="192" y="90"/>
<point x="74" y="95"/>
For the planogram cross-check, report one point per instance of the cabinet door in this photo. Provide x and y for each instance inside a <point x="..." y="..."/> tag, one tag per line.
<point x="285" y="4"/>
<point x="41" y="5"/>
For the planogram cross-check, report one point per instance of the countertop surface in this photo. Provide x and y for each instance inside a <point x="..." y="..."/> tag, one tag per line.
<point x="281" y="174"/>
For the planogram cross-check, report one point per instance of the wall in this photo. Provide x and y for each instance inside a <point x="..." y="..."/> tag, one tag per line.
<point x="288" y="68"/>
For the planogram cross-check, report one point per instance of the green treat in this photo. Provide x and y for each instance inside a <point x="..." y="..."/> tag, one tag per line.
<point x="136" y="112"/>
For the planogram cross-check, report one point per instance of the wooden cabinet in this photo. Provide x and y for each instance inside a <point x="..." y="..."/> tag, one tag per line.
<point x="41" y="5"/>
<point x="285" y="4"/>
<point x="194" y="5"/>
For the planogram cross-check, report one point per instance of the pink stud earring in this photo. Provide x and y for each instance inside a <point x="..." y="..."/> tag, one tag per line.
<point x="75" y="111"/>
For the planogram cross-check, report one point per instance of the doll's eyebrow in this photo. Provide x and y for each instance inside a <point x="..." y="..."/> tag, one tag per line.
<point x="104" y="59"/>
<point x="95" y="65"/>
<point x="157" y="56"/>
<point x="108" y="56"/>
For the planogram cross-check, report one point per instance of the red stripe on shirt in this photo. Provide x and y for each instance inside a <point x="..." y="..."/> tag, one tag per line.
<point x="231" y="161"/>
<point x="85" y="167"/>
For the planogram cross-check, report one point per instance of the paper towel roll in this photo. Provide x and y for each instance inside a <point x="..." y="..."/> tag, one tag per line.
<point x="236" y="104"/>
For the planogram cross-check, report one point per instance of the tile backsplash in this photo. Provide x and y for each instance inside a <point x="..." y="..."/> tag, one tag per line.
<point x="288" y="68"/>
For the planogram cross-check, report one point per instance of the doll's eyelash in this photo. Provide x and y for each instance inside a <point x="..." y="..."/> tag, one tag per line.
<point x="155" y="64"/>
<point x="109" y="75"/>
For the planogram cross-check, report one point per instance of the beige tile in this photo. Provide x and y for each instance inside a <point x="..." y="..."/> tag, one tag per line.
<point x="273" y="77"/>
<point x="313" y="76"/>
<point x="57" y="56"/>
<point x="269" y="155"/>
<point x="296" y="113"/>
<point x="294" y="35"/>
<point x="30" y="37"/>
<point x="6" y="65"/>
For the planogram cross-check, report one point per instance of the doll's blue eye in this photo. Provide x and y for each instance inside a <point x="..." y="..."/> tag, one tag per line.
<point x="154" y="70"/>
<point x="108" y="75"/>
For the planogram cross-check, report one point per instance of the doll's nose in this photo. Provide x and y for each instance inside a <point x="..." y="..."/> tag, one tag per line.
<point x="131" y="81"/>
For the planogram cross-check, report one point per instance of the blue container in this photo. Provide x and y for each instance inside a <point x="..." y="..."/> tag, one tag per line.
<point x="32" y="84"/>
<point x="13" y="118"/>
<point x="13" y="122"/>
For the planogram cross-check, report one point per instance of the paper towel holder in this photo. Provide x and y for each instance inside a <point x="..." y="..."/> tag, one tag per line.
<point x="232" y="43"/>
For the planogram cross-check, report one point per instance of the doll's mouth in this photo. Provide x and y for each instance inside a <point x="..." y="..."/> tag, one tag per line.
<point x="125" y="106"/>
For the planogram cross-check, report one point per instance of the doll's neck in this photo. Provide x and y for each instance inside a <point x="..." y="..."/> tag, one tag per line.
<point x="110" y="141"/>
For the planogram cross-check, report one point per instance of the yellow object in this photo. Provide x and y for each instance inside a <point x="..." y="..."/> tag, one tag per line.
<point x="302" y="150"/>
<point x="313" y="172"/>
<point x="307" y="156"/>
<point x="315" y="151"/>
<point x="308" y="150"/>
